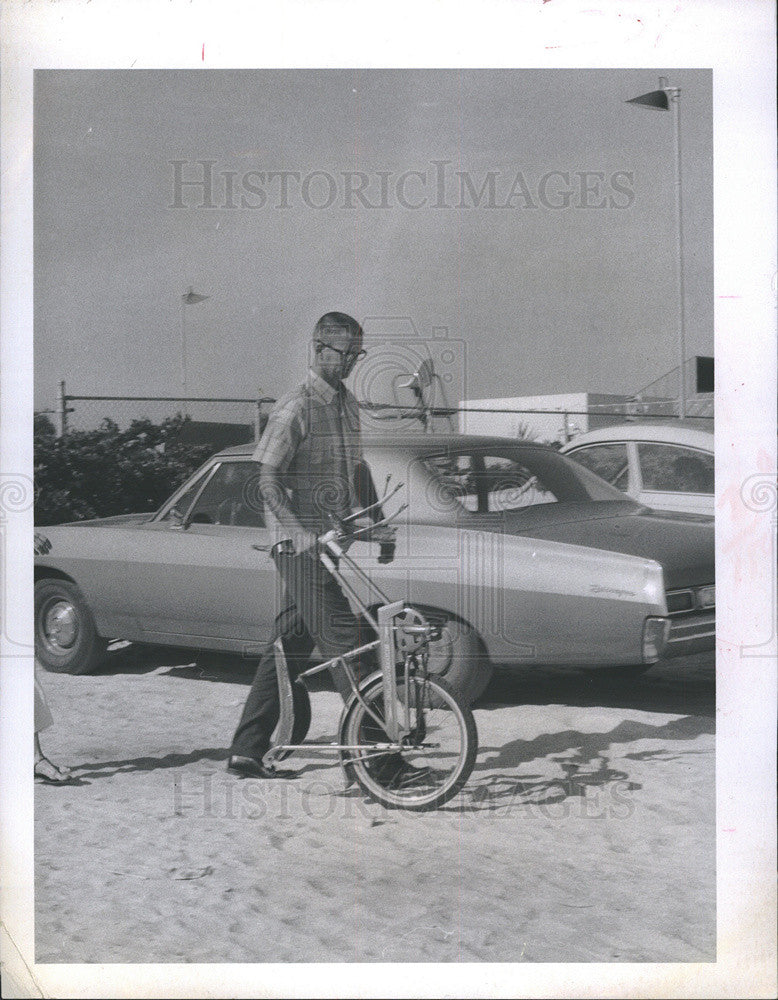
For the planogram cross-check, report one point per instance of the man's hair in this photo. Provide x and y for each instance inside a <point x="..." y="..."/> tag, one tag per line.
<point x="337" y="320"/>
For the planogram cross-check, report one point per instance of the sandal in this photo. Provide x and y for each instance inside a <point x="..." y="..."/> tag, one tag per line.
<point x="51" y="774"/>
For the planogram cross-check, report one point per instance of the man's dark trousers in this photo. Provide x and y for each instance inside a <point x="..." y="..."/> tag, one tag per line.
<point x="317" y="613"/>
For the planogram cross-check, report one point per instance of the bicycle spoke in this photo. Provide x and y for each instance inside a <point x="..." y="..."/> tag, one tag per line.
<point x="424" y="772"/>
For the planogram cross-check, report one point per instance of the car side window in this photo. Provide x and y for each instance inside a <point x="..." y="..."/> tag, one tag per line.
<point x="669" y="468"/>
<point x="231" y="497"/>
<point x="608" y="461"/>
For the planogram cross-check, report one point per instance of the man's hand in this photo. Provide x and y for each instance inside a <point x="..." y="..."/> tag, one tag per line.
<point x="345" y="541"/>
<point x="42" y="544"/>
<point x="385" y="534"/>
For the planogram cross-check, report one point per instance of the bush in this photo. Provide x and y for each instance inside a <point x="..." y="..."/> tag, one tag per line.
<point x="108" y="471"/>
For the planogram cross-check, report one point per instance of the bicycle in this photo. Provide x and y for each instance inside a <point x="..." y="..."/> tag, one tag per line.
<point x="404" y="736"/>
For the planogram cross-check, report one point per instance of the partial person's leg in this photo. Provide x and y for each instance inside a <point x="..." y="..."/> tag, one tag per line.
<point x="261" y="710"/>
<point x="326" y="612"/>
<point x="46" y="770"/>
<point x="41" y="712"/>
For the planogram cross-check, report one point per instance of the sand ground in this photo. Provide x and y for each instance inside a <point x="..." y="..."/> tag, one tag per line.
<point x="586" y="832"/>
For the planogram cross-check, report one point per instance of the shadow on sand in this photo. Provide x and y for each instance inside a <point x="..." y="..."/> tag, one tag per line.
<point x="682" y="687"/>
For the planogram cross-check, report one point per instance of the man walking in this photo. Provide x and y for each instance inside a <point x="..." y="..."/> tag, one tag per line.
<point x="309" y="454"/>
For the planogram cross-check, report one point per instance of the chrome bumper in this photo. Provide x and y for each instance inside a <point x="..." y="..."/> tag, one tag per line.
<point x="691" y="632"/>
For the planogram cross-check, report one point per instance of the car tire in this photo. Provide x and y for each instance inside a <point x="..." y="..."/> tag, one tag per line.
<point x="66" y="640"/>
<point x="459" y="657"/>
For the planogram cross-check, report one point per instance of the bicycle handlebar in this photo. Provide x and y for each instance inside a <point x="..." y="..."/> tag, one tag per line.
<point x="329" y="540"/>
<point x="378" y="503"/>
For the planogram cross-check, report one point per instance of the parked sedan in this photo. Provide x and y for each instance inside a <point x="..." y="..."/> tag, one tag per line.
<point x="521" y="554"/>
<point x="665" y="466"/>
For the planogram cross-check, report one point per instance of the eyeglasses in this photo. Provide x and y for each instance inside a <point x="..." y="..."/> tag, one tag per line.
<point x="348" y="355"/>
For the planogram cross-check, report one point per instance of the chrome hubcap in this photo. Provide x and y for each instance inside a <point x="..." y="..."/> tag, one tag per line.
<point x="440" y="654"/>
<point x="60" y="625"/>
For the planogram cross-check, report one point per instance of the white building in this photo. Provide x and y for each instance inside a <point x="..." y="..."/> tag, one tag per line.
<point x="556" y="417"/>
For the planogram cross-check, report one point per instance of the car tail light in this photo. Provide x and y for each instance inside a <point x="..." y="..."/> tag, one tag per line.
<point x="656" y="632"/>
<point x="706" y="596"/>
<point x="680" y="600"/>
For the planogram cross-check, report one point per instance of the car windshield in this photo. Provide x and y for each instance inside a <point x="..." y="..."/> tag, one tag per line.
<point x="178" y="505"/>
<point x="506" y="478"/>
<point x="223" y="492"/>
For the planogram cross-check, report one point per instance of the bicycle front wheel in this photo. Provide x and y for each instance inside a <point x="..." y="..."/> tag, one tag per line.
<point x="436" y="757"/>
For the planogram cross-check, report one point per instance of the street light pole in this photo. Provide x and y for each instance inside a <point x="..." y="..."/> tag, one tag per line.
<point x="189" y="298"/>
<point x="668" y="98"/>
<point x="183" y="350"/>
<point x="674" y="96"/>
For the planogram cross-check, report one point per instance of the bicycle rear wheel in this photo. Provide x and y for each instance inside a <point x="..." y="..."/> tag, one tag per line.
<point x="436" y="758"/>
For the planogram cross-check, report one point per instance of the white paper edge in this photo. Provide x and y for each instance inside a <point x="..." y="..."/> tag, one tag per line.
<point x="736" y="39"/>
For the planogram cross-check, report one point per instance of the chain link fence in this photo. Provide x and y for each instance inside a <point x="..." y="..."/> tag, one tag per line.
<point x="224" y="421"/>
<point x="214" y="416"/>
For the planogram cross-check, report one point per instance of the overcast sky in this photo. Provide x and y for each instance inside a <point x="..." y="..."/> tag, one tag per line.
<point x="561" y="279"/>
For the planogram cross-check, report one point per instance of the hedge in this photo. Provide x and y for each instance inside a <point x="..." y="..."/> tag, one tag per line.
<point x="108" y="471"/>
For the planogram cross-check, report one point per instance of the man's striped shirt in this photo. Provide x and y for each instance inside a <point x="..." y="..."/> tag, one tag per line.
<point x="312" y="440"/>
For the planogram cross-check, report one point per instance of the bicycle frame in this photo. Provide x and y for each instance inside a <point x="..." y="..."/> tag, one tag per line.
<point x="331" y="555"/>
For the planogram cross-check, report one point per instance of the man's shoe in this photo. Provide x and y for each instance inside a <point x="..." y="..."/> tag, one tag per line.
<point x="398" y="773"/>
<point x="249" y="767"/>
<point x="409" y="776"/>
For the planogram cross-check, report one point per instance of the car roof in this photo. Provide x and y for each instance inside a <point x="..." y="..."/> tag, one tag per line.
<point x="662" y="433"/>
<point x="418" y="442"/>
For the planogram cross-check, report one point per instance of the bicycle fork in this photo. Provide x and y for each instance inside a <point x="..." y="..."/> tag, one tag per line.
<point x="386" y="615"/>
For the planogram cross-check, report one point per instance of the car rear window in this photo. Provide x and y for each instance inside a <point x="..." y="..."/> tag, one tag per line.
<point x="511" y="479"/>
